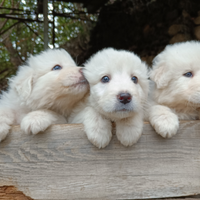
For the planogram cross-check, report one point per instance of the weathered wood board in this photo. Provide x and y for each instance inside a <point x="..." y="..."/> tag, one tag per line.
<point x="62" y="164"/>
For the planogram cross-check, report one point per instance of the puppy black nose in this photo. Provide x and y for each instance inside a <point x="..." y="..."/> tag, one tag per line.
<point x="124" y="98"/>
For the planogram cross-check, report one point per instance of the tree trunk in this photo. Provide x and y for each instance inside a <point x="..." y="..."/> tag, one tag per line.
<point x="14" y="57"/>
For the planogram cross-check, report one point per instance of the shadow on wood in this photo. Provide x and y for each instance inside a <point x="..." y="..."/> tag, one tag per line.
<point x="62" y="164"/>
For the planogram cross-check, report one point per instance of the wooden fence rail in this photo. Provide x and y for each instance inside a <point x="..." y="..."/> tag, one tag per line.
<point x="62" y="164"/>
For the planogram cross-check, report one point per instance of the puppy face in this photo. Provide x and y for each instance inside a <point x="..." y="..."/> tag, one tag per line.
<point x="118" y="82"/>
<point x="176" y="72"/>
<point x="50" y="79"/>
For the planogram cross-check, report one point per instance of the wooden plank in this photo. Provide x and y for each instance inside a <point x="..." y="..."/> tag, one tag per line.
<point x="62" y="164"/>
<point x="11" y="193"/>
<point x="176" y="198"/>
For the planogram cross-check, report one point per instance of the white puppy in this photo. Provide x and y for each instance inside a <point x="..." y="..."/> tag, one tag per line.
<point x="118" y="91"/>
<point x="44" y="89"/>
<point x="176" y="92"/>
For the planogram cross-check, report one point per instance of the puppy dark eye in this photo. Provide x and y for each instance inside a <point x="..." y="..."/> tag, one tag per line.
<point x="188" y="74"/>
<point x="105" y="79"/>
<point x="57" y="67"/>
<point x="134" y="79"/>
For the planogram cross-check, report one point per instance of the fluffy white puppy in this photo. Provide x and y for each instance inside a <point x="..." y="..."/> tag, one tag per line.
<point x="176" y="92"/>
<point x="118" y="91"/>
<point x="43" y="92"/>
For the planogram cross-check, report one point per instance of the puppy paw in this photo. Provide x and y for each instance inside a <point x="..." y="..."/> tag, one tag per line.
<point x="6" y="121"/>
<point x="4" y="130"/>
<point x="129" y="134"/>
<point x="165" y="125"/>
<point x="97" y="128"/>
<point x="99" y="139"/>
<point x="128" y="139"/>
<point x="35" y="122"/>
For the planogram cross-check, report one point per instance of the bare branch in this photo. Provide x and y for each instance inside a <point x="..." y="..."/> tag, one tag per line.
<point x="1" y="33"/>
<point x="15" y="9"/>
<point x="3" y="23"/>
<point x="33" y="31"/>
<point x="21" y="19"/>
<point x="1" y="72"/>
<point x="69" y="15"/>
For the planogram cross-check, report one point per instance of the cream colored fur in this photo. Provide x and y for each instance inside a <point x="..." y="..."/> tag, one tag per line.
<point x="102" y="107"/>
<point x="175" y="96"/>
<point x="39" y="96"/>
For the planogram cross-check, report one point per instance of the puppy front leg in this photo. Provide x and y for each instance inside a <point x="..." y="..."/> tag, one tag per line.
<point x="164" y="121"/>
<point x="98" y="129"/>
<point x="37" y="121"/>
<point x="7" y="118"/>
<point x="129" y="130"/>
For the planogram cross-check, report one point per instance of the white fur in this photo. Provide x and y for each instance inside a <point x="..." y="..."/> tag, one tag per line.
<point x="174" y="95"/>
<point x="102" y="106"/>
<point x="39" y="96"/>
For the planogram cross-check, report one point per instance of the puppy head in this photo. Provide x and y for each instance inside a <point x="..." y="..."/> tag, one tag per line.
<point x="176" y="72"/>
<point x="50" y="79"/>
<point x="118" y="82"/>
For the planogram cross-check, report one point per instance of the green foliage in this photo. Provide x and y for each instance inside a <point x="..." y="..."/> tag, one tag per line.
<point x="6" y="67"/>
<point x="27" y="37"/>
<point x="69" y="27"/>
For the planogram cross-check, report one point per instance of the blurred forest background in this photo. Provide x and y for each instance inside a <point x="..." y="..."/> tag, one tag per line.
<point x="83" y="27"/>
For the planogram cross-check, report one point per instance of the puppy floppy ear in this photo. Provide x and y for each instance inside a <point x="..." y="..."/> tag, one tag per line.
<point x="161" y="75"/>
<point x="23" y="84"/>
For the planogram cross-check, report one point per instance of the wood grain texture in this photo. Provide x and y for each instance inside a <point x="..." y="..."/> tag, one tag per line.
<point x="62" y="164"/>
